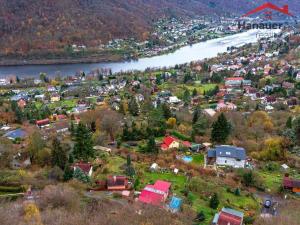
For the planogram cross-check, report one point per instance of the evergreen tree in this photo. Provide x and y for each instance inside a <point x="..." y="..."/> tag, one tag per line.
<point x="58" y="155"/>
<point x="72" y="128"/>
<point x="201" y="216"/>
<point x="83" y="148"/>
<point x="186" y="96"/>
<point x="221" y="129"/>
<point x="126" y="134"/>
<point x="296" y="129"/>
<point x="195" y="93"/>
<point x="196" y="114"/>
<point x="129" y="169"/>
<point x="214" y="201"/>
<point x="81" y="176"/>
<point x="166" y="111"/>
<point x="133" y="107"/>
<point x="151" y="145"/>
<point x="93" y="126"/>
<point x="68" y="173"/>
<point x="237" y="192"/>
<point x="289" y="123"/>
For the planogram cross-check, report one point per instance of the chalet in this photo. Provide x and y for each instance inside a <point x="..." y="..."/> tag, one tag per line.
<point x="269" y="100"/>
<point x="292" y="102"/>
<point x="228" y="106"/>
<point x="20" y="160"/>
<point x="61" y="127"/>
<point x="209" y="112"/>
<point x="234" y="81"/>
<point x="225" y="155"/>
<point x="22" y="103"/>
<point x="117" y="183"/>
<point x="288" y="85"/>
<point x="291" y="184"/>
<point x="55" y="97"/>
<point x="228" y="216"/>
<point x="42" y="123"/>
<point x="155" y="194"/>
<point x="87" y="168"/>
<point x="169" y="142"/>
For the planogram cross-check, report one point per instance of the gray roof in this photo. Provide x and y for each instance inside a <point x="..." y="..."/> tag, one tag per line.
<point x="228" y="151"/>
<point x="233" y="212"/>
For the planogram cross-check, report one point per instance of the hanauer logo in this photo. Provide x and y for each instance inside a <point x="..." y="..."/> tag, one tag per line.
<point x="268" y="9"/>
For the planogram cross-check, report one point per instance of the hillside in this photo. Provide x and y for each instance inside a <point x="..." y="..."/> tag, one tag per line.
<point x="37" y="26"/>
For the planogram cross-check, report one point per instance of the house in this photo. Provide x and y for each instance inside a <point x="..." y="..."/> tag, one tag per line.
<point x="228" y="216"/>
<point x="155" y="194"/>
<point x="61" y="127"/>
<point x="174" y="100"/>
<point x="298" y="76"/>
<point x="228" y="106"/>
<point x="169" y="142"/>
<point x="21" y="160"/>
<point x="87" y="168"/>
<point x="55" y="97"/>
<point x="14" y="134"/>
<point x="100" y="100"/>
<point x="117" y="183"/>
<point x="42" y="123"/>
<point x="234" y="81"/>
<point x="209" y="112"/>
<point x="225" y="155"/>
<point x="175" y="204"/>
<point x="22" y="103"/>
<point x="291" y="184"/>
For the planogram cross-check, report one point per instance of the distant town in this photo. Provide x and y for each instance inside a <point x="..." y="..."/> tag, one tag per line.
<point x="209" y="142"/>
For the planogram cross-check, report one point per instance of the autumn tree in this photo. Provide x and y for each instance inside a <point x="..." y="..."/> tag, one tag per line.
<point x="35" y="145"/>
<point x="133" y="107"/>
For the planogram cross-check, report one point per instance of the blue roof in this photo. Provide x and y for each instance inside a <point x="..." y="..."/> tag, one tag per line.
<point x="211" y="153"/>
<point x="229" y="152"/>
<point x="175" y="203"/>
<point x="18" y="133"/>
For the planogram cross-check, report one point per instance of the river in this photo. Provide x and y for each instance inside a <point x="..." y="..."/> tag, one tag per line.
<point x="199" y="51"/>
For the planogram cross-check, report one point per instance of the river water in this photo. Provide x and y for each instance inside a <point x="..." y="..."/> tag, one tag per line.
<point x="199" y="51"/>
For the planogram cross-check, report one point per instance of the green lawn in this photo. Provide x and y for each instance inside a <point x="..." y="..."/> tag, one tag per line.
<point x="178" y="181"/>
<point x="198" y="159"/>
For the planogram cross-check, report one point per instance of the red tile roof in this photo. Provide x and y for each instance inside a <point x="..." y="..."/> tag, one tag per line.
<point x="291" y="183"/>
<point x="162" y="186"/>
<point x="234" y="78"/>
<point x="42" y="122"/>
<point x="226" y="218"/>
<point x="187" y="144"/>
<point x="85" y="167"/>
<point x="168" y="140"/>
<point x="155" y="194"/>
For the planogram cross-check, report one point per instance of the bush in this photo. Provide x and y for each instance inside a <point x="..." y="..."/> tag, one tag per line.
<point x="59" y="196"/>
<point x="214" y="201"/>
<point x="181" y="136"/>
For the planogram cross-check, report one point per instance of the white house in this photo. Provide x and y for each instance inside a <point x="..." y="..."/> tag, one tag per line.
<point x="225" y="155"/>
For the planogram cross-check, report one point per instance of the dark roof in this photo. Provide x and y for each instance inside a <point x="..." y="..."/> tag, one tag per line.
<point x="291" y="183"/>
<point x="230" y="152"/>
<point x="116" y="181"/>
<point x="211" y="153"/>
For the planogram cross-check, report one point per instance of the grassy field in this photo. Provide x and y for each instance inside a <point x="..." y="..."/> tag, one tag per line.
<point x="178" y="90"/>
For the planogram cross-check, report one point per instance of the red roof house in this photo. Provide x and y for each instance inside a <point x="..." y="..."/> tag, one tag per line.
<point x="291" y="184"/>
<point x="87" y="168"/>
<point x="169" y="142"/>
<point x="155" y="194"/>
<point x="117" y="183"/>
<point x="22" y="103"/>
<point x="228" y="217"/>
<point x="42" y="123"/>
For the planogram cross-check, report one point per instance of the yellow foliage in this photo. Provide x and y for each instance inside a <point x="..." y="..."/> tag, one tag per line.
<point x="171" y="122"/>
<point x="32" y="214"/>
<point x="261" y="118"/>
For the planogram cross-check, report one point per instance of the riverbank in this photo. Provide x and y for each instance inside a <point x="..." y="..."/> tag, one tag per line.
<point x="199" y="51"/>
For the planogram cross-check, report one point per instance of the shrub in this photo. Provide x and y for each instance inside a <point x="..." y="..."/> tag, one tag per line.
<point x="214" y="201"/>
